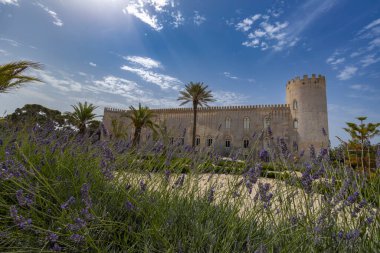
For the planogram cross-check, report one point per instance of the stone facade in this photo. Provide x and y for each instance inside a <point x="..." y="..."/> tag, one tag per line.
<point x="299" y="122"/>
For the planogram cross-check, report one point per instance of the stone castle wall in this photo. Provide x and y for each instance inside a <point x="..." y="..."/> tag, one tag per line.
<point x="310" y="112"/>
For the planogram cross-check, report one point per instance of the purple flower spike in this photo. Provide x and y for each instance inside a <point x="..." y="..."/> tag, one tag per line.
<point x="77" y="238"/>
<point x="69" y="202"/>
<point x="56" y="247"/>
<point x="211" y="194"/>
<point x="129" y="206"/>
<point x="52" y="237"/>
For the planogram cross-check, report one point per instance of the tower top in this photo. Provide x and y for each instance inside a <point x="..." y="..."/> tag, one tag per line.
<point x="320" y="79"/>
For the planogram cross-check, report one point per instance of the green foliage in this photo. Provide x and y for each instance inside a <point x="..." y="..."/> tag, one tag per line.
<point x="127" y="209"/>
<point x="362" y="132"/>
<point x="12" y="75"/>
<point x="30" y="114"/>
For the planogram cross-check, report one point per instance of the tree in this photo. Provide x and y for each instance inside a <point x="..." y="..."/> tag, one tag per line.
<point x="12" y="75"/>
<point x="83" y="116"/>
<point x="362" y="133"/>
<point x="198" y="94"/>
<point x="141" y="118"/>
<point x="36" y="114"/>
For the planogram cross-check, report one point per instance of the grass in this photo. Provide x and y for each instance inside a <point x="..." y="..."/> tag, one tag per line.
<point x="171" y="199"/>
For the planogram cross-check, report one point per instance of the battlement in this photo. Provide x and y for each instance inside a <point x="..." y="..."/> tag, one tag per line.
<point x="210" y="108"/>
<point x="319" y="80"/>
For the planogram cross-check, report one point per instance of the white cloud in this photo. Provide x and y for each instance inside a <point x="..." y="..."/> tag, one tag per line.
<point x="279" y="35"/>
<point x="336" y="59"/>
<point x="178" y="19"/>
<point x="369" y="60"/>
<point x="198" y="19"/>
<point x="3" y="52"/>
<point x="228" y="75"/>
<point x="267" y="35"/>
<point x="164" y="81"/>
<point x="56" y="20"/>
<point x="66" y="84"/>
<point x="117" y="86"/>
<point x="370" y="26"/>
<point x="11" y="42"/>
<point x="14" y="2"/>
<point x="139" y="10"/>
<point x="347" y="73"/>
<point x="361" y="87"/>
<point x="92" y="64"/>
<point x="229" y="98"/>
<point x="145" y="62"/>
<point x="246" y="24"/>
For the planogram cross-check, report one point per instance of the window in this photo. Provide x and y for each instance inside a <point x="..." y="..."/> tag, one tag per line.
<point x="246" y="143"/>
<point x="171" y="140"/>
<point x="197" y="141"/>
<point x="228" y="143"/>
<point x="295" y="104"/>
<point x="295" y="123"/>
<point x="209" y="142"/>
<point x="246" y="123"/>
<point x="228" y="123"/>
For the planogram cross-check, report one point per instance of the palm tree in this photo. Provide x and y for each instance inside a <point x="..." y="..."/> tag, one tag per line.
<point x="82" y="116"/>
<point x="12" y="75"/>
<point x="198" y="94"/>
<point x="141" y="118"/>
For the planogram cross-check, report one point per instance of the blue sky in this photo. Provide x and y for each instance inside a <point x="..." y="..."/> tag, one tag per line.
<point x="118" y="53"/>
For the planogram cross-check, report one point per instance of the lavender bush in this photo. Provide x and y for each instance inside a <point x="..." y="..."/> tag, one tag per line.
<point x="66" y="192"/>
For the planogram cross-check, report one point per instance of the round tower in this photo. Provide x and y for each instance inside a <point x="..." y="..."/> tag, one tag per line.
<point x="308" y="105"/>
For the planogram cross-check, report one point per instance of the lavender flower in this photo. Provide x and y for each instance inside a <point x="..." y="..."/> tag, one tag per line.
<point x="56" y="247"/>
<point x="264" y="194"/>
<point x="352" y="235"/>
<point x="87" y="215"/>
<point x="129" y="206"/>
<point x="52" y="237"/>
<point x="69" y="202"/>
<point x="24" y="200"/>
<point x="352" y="199"/>
<point x="312" y="152"/>
<point x="264" y="155"/>
<point x="211" y="193"/>
<point x="77" y="238"/>
<point x="142" y="186"/>
<point x="251" y="177"/>
<point x="19" y="220"/>
<point x="127" y="187"/>
<point x="86" y="199"/>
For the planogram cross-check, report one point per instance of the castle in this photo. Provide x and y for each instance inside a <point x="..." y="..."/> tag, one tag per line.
<point x="299" y="123"/>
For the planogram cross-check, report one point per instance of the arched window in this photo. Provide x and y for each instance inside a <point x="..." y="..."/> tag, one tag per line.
<point x="295" y="104"/>
<point x="197" y="141"/>
<point x="295" y="123"/>
<point x="246" y="143"/>
<point x="228" y="122"/>
<point x="246" y="123"/>
<point x="228" y="142"/>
